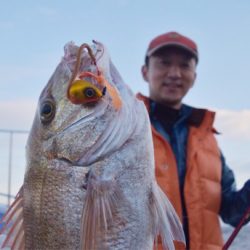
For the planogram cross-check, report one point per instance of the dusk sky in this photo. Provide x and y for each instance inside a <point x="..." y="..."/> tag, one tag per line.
<point x="33" y="34"/>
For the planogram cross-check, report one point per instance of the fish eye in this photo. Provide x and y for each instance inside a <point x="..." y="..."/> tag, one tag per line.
<point x="89" y="92"/>
<point x="47" y="111"/>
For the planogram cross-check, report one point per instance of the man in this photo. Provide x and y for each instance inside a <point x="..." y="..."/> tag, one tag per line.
<point x="190" y="167"/>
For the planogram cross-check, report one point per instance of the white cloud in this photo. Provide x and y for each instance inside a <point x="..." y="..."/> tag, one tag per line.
<point x="17" y="115"/>
<point x="234" y="141"/>
<point x="234" y="124"/>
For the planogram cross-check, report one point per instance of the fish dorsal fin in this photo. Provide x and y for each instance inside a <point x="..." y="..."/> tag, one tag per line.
<point x="166" y="222"/>
<point x="12" y="231"/>
<point x="100" y="206"/>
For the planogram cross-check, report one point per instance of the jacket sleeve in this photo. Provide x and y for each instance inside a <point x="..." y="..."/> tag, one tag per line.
<point x="233" y="203"/>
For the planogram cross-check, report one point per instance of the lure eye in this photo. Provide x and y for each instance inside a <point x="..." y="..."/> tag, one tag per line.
<point x="82" y="91"/>
<point x="47" y="111"/>
<point x="89" y="92"/>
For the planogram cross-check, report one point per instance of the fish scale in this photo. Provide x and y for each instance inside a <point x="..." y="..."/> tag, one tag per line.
<point x="58" y="231"/>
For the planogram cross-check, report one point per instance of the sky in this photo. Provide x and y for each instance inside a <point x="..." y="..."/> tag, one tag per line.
<point x="33" y="34"/>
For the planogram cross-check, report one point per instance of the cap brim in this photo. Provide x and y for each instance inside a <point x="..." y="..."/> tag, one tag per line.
<point x="170" y="44"/>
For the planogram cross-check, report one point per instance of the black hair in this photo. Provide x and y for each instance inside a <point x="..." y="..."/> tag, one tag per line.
<point x="160" y="52"/>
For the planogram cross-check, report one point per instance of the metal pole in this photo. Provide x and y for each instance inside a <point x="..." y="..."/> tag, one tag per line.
<point x="11" y="133"/>
<point x="10" y="167"/>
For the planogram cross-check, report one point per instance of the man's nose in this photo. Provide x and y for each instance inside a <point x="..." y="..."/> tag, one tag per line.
<point x="174" y="72"/>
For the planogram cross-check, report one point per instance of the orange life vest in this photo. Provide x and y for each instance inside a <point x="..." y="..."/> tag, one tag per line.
<point x="202" y="188"/>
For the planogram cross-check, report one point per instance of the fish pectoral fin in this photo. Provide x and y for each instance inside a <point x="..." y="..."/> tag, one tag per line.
<point x="12" y="231"/>
<point x="100" y="206"/>
<point x="166" y="222"/>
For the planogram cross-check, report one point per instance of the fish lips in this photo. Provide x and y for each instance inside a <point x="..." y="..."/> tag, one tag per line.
<point x="71" y="163"/>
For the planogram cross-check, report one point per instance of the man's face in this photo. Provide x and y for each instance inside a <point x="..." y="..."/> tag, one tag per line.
<point x="170" y="75"/>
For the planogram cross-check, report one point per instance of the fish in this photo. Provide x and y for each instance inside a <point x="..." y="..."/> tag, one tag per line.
<point x="89" y="181"/>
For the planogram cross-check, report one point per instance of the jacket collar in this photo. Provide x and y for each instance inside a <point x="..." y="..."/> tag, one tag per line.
<point x="195" y="118"/>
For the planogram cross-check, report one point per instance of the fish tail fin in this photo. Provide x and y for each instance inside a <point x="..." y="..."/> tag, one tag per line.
<point x="12" y="231"/>
<point x="165" y="220"/>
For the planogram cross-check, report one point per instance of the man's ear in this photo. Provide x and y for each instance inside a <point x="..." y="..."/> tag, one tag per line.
<point x="195" y="75"/>
<point x="144" y="72"/>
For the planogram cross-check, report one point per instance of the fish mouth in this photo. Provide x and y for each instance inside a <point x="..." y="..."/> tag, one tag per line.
<point x="70" y="162"/>
<point x="66" y="160"/>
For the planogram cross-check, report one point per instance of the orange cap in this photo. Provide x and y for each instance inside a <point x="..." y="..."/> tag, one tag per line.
<point x="173" y="39"/>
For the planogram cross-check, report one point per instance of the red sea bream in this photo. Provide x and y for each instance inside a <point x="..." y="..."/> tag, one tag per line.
<point x="89" y="181"/>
